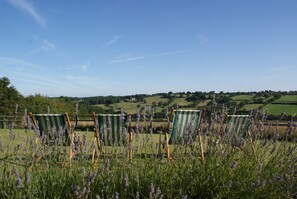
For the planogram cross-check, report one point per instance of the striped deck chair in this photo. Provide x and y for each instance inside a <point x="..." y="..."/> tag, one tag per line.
<point x="53" y="126"/>
<point x="51" y="123"/>
<point x="238" y="125"/>
<point x="185" y="129"/>
<point x="111" y="130"/>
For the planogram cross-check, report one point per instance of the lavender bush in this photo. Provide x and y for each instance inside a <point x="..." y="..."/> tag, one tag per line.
<point x="258" y="166"/>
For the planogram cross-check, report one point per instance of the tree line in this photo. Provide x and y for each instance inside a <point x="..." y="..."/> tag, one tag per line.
<point x="11" y="99"/>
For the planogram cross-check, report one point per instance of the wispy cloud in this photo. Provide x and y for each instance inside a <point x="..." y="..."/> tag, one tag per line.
<point x="202" y="38"/>
<point x="16" y="63"/>
<point x="146" y="56"/>
<point x="115" y="39"/>
<point x="85" y="67"/>
<point x="126" y="59"/>
<point x="77" y="68"/>
<point x="44" y="80"/>
<point x="27" y="7"/>
<point x="45" y="46"/>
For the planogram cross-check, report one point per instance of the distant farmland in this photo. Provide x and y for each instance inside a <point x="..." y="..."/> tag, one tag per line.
<point x="244" y="102"/>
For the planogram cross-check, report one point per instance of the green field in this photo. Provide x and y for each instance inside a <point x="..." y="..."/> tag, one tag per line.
<point x="180" y="102"/>
<point x="277" y="109"/>
<point x="242" y="97"/>
<point x="286" y="104"/>
<point x="156" y="99"/>
<point x="131" y="107"/>
<point x="248" y="107"/>
<point x="287" y="99"/>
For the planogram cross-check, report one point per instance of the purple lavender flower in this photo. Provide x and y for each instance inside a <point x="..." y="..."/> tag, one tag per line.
<point x="126" y="179"/>
<point x="116" y="195"/>
<point x="16" y="171"/>
<point x="137" y="195"/>
<point x="19" y="183"/>
<point x="27" y="177"/>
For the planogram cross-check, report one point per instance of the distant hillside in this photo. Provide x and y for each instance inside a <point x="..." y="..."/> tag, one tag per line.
<point x="275" y="103"/>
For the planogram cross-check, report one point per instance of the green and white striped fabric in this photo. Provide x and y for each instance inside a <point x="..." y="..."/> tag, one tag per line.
<point x="112" y="129"/>
<point x="185" y="126"/>
<point x="51" y="123"/>
<point x="238" y="124"/>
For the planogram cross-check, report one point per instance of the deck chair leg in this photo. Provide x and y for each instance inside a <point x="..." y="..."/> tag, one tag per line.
<point x="160" y="144"/>
<point x="94" y="150"/>
<point x="167" y="147"/>
<point x="130" y="146"/>
<point x="71" y="154"/>
<point x="201" y="146"/>
<point x="95" y="142"/>
<point x="37" y="160"/>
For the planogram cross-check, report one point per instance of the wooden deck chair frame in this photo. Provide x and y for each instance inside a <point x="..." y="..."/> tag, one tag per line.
<point x="96" y="139"/>
<point x="69" y="129"/>
<point x="167" y="131"/>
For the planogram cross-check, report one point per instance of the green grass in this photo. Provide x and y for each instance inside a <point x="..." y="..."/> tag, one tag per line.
<point x="131" y="107"/>
<point x="242" y="97"/>
<point x="180" y="102"/>
<point x="287" y="99"/>
<point x="248" y="107"/>
<point x="277" y="109"/>
<point x="156" y="99"/>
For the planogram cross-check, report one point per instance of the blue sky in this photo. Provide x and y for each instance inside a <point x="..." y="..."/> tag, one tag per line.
<point x="116" y="47"/>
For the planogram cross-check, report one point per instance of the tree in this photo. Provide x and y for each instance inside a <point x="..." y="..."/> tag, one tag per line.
<point x="9" y="97"/>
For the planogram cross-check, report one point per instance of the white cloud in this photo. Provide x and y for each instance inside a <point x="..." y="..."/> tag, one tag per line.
<point x="126" y="59"/>
<point x="202" y="38"/>
<point x="44" y="46"/>
<point x="146" y="56"/>
<point x="115" y="39"/>
<point x="76" y="68"/>
<point x="48" y="46"/>
<point x="27" y="7"/>
<point x="85" y="67"/>
<point x="166" y="53"/>
<point x="16" y="63"/>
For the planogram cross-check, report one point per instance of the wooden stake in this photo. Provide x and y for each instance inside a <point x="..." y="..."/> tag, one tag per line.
<point x="160" y="144"/>
<point x="200" y="137"/>
<point x="167" y="146"/>
<point x="130" y="140"/>
<point x="96" y="139"/>
<point x="71" y="135"/>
